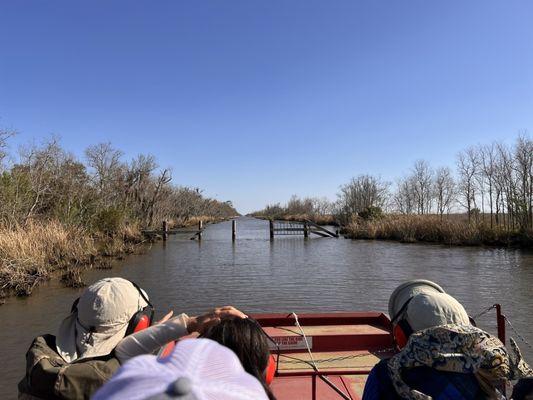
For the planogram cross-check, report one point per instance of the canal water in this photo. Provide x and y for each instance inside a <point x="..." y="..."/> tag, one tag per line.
<point x="285" y="275"/>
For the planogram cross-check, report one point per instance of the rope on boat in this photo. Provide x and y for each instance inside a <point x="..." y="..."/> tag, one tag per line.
<point x="297" y="323"/>
<point x="485" y="311"/>
<point x="518" y="335"/>
<point x="295" y="360"/>
<point x="322" y="377"/>
<point x="508" y="321"/>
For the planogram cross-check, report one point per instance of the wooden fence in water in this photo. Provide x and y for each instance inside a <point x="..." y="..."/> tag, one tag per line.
<point x="304" y="228"/>
<point x="279" y="228"/>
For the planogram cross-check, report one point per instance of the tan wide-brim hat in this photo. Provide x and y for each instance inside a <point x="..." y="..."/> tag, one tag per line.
<point x="424" y="304"/>
<point x="100" y="320"/>
<point x="407" y="290"/>
<point x="428" y="310"/>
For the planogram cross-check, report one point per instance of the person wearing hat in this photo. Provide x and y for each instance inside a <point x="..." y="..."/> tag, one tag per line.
<point x="420" y="304"/>
<point x="76" y="362"/>
<point x="197" y="369"/>
<point x="441" y="355"/>
<point x="90" y="344"/>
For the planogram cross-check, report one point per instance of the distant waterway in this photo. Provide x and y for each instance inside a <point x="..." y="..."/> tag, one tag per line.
<point x="285" y="275"/>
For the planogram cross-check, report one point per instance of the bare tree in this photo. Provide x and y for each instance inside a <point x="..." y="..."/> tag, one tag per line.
<point x="422" y="179"/>
<point x="444" y="190"/>
<point x="361" y="193"/>
<point x="467" y="167"/>
<point x="4" y="137"/>
<point x="488" y="169"/>
<point x="40" y="166"/>
<point x="404" y="197"/>
<point x="105" y="161"/>
<point x="322" y="206"/>
<point x="523" y="166"/>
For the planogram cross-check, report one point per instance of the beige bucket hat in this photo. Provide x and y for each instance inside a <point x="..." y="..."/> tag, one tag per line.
<point x="424" y="304"/>
<point x="100" y="319"/>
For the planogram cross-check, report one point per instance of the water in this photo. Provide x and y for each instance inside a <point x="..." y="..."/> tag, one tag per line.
<point x="289" y="274"/>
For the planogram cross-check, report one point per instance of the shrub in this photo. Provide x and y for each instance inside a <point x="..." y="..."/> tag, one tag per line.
<point x="109" y="221"/>
<point x="371" y="212"/>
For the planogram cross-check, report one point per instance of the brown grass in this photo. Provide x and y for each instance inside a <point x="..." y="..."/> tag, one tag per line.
<point x="32" y="254"/>
<point x="317" y="219"/>
<point x="28" y="255"/>
<point x="433" y="229"/>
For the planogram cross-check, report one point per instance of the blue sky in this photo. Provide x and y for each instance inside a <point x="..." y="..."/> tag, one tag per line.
<point x="254" y="101"/>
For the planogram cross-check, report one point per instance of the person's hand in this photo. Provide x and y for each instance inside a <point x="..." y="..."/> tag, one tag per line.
<point x="165" y="318"/>
<point x="202" y="323"/>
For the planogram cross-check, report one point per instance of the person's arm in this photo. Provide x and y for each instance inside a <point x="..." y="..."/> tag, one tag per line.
<point x="154" y="337"/>
<point x="378" y="385"/>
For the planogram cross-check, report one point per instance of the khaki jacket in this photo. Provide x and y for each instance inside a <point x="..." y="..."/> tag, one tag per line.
<point x="48" y="376"/>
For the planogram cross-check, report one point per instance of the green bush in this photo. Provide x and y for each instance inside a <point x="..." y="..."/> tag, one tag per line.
<point x="109" y="221"/>
<point x="371" y="213"/>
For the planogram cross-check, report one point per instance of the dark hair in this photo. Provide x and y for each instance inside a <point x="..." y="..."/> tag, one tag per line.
<point x="248" y="341"/>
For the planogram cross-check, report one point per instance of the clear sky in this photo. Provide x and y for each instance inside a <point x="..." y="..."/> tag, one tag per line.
<point x="256" y="100"/>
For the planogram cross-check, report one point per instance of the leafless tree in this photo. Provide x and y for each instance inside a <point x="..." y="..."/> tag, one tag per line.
<point x="523" y="167"/>
<point x="444" y="190"/>
<point x="467" y="167"/>
<point x="487" y="156"/>
<point x="5" y="134"/>
<point x="422" y="179"/>
<point x="359" y="194"/>
<point x="106" y="164"/>
<point x="404" y="198"/>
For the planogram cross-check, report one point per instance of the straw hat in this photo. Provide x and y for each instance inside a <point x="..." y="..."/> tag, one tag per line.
<point x="100" y="319"/>
<point x="424" y="304"/>
<point x="197" y="369"/>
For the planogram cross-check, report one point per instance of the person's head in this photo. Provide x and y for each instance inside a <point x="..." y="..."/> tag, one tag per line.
<point x="248" y="341"/>
<point x="421" y="304"/>
<point x="106" y="311"/>
<point x="197" y="369"/>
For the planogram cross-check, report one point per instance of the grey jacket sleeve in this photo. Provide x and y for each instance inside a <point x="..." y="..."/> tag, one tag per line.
<point x="151" y="339"/>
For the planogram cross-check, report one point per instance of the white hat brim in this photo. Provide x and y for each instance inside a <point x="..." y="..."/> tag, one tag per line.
<point x="102" y="343"/>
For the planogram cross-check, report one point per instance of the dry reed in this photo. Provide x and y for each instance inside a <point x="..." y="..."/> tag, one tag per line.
<point x="433" y="229"/>
<point x="31" y="254"/>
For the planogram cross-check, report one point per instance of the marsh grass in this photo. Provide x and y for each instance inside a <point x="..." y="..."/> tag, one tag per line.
<point x="317" y="219"/>
<point x="451" y="230"/>
<point x="32" y="254"/>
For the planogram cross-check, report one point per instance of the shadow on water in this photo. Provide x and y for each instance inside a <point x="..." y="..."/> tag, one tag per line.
<point x="288" y="274"/>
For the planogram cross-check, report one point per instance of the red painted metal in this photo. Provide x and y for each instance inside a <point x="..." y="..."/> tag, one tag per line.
<point x="500" y="319"/>
<point x="348" y="333"/>
<point x="317" y="373"/>
<point x="359" y="332"/>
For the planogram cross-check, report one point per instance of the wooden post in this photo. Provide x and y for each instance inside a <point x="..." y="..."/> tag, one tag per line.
<point x="271" y="224"/>
<point x="306" y="230"/>
<point x="165" y="230"/>
<point x="200" y="227"/>
<point x="233" y="230"/>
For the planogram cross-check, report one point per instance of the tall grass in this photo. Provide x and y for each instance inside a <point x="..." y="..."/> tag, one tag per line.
<point x="317" y="219"/>
<point x="31" y="254"/>
<point x="433" y="229"/>
<point x="28" y="255"/>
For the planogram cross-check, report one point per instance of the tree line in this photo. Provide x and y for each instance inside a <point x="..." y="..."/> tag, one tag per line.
<point x="490" y="183"/>
<point x="101" y="192"/>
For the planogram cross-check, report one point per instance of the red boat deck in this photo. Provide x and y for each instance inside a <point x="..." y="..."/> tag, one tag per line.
<point x="344" y="347"/>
